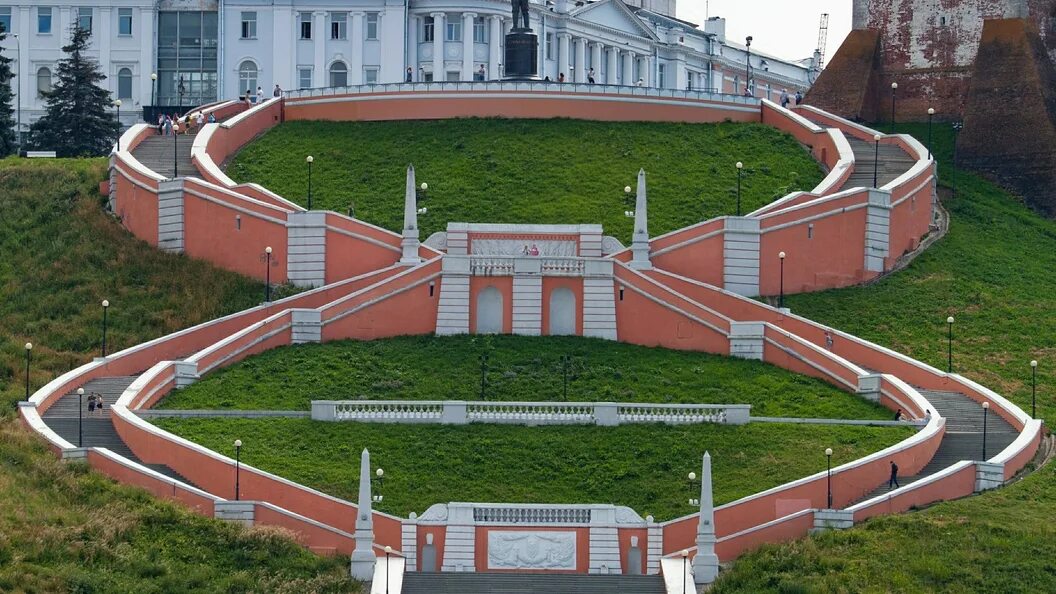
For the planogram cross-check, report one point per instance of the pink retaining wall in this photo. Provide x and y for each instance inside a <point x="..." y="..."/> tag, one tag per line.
<point x="319" y="540"/>
<point x="157" y="487"/>
<point x="959" y="484"/>
<point x="791" y="528"/>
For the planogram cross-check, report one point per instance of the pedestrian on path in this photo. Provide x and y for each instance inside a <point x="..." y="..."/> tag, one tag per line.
<point x="590" y="76"/>
<point x="99" y="403"/>
<point x="91" y="404"/>
<point x="784" y="98"/>
<point x="894" y="476"/>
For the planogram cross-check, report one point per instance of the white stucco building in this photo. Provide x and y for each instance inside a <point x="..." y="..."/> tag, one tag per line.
<point x="220" y="48"/>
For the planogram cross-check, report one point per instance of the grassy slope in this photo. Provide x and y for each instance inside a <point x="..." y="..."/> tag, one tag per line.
<point x="994" y="273"/>
<point x="62" y="527"/>
<point x="642" y="466"/>
<point x="528" y="171"/>
<point x="520" y="368"/>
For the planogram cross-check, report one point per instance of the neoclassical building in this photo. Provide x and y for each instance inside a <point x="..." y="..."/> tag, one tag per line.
<point x="204" y="50"/>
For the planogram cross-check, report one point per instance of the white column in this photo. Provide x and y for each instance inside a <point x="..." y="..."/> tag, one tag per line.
<point x="706" y="562"/>
<point x="581" y="60"/>
<point x="564" y="40"/>
<point x="319" y="45"/>
<point x="355" y="58"/>
<point x="363" y="557"/>
<point x="25" y="76"/>
<point x="283" y="54"/>
<point x="467" y="45"/>
<point x="102" y="27"/>
<point x="438" y="46"/>
<point x="595" y="60"/>
<point x="65" y="20"/>
<point x="640" y="237"/>
<point x="681" y="74"/>
<point x="610" y="75"/>
<point x="628" y="68"/>
<point x="495" y="48"/>
<point x="392" y="32"/>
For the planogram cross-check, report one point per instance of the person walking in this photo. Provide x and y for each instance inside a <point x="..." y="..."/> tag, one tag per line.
<point x="894" y="476"/>
<point x="260" y="95"/>
<point x="410" y="75"/>
<point x="898" y="415"/>
<point x="590" y="76"/>
<point x="482" y="74"/>
<point x="785" y="98"/>
<point x="277" y="92"/>
<point x="99" y="404"/>
<point x="91" y="404"/>
<point x="161" y="124"/>
<point x="641" y="82"/>
<point x="560" y="77"/>
<point x="799" y="97"/>
<point x="212" y="118"/>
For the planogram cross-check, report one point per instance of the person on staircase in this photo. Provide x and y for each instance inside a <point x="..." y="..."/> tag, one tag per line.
<point x="91" y="404"/>
<point x="894" y="476"/>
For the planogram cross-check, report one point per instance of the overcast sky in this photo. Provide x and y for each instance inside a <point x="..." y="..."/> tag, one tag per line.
<point x="784" y="28"/>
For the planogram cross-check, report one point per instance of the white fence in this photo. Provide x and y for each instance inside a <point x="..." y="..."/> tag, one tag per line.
<point x="461" y="412"/>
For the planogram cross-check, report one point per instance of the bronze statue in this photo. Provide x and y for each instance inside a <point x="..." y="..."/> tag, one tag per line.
<point x="520" y="8"/>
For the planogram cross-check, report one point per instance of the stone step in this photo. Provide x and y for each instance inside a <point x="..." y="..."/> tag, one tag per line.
<point x="514" y="583"/>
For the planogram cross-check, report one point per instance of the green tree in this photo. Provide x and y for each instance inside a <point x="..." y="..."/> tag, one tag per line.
<point x="78" y="121"/>
<point x="7" y="120"/>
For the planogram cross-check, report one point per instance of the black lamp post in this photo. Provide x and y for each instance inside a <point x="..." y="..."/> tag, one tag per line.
<point x="80" y="417"/>
<point x="957" y="127"/>
<point x="29" y="351"/>
<point x="1033" y="389"/>
<point x="153" y="90"/>
<point x="931" y="114"/>
<point x="894" y="87"/>
<point x="238" y="460"/>
<point x="740" y="167"/>
<point x="106" y="307"/>
<point x="876" y="161"/>
<point x="267" y="275"/>
<point x="748" y="64"/>
<point x="310" y="159"/>
<point x="117" y="105"/>
<point x="388" y="551"/>
<point x="986" y="409"/>
<point x="828" y="473"/>
<point x="483" y="374"/>
<point x="685" y="557"/>
<point x="949" y="345"/>
<point x="694" y="487"/>
<point x="175" y="129"/>
<point x="565" y="360"/>
<point x="781" y="295"/>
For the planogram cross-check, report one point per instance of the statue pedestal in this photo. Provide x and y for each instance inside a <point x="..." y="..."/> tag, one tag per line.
<point x="522" y="55"/>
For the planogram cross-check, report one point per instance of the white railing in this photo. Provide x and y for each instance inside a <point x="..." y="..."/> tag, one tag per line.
<point x="531" y="515"/>
<point x="545" y="265"/>
<point x="461" y="412"/>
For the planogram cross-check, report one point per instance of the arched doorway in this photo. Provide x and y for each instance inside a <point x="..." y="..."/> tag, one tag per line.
<point x="489" y="311"/>
<point x="562" y="312"/>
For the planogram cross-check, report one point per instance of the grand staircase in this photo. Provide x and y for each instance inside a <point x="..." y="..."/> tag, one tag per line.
<point x="98" y="429"/>
<point x="520" y="583"/>
<point x="155" y="153"/>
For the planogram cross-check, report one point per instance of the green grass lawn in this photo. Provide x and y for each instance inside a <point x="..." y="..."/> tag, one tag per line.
<point x="994" y="273"/>
<point x="528" y="171"/>
<point x="641" y="466"/>
<point x="520" y="368"/>
<point x="64" y="528"/>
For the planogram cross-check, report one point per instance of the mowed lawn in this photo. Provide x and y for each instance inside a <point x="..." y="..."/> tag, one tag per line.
<point x="556" y="171"/>
<point x="994" y="273"/>
<point x="519" y="368"/>
<point x="641" y="466"/>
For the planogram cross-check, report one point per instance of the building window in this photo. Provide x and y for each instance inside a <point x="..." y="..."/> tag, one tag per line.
<point x="304" y="76"/>
<point x="124" y="83"/>
<point x="454" y="31"/>
<point x="84" y="18"/>
<point x="249" y="25"/>
<point x="372" y="26"/>
<point x="43" y="81"/>
<point x="338" y="74"/>
<point x="661" y="76"/>
<point x="338" y="25"/>
<point x="428" y="23"/>
<point x="549" y="46"/>
<point x="5" y="19"/>
<point x="454" y="75"/>
<point x="124" y="21"/>
<point x="480" y="30"/>
<point x="188" y="46"/>
<point x="306" y="25"/>
<point x="247" y="78"/>
<point x="44" y="20"/>
<point x="370" y="75"/>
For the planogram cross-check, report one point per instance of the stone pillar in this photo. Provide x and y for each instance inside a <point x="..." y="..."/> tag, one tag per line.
<point x="363" y="556"/>
<point x="439" y="24"/>
<point x="640" y="237"/>
<point x="283" y="62"/>
<point x="747" y="340"/>
<point x="467" y="45"/>
<point x="495" y="48"/>
<point x="877" y="229"/>
<point x="306" y="240"/>
<point x="613" y="59"/>
<point x="322" y="78"/>
<point x="595" y="60"/>
<point x="628" y="68"/>
<point x="581" y="61"/>
<point x="355" y="57"/>
<point x="564" y="42"/>
<point x="646" y="68"/>
<point x="103" y="37"/>
<point x="410" y="240"/>
<point x="706" y="562"/>
<point x="741" y="256"/>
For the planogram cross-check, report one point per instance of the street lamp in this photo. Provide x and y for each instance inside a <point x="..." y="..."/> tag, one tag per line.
<point x="894" y="87"/>
<point x="80" y="417"/>
<point x="949" y="345"/>
<point x="175" y="131"/>
<point x="828" y="472"/>
<point x="267" y="275"/>
<point x="388" y="551"/>
<point x="931" y="114"/>
<point x="117" y="104"/>
<point x="238" y="458"/>
<point x="106" y="306"/>
<point x="29" y="351"/>
<point x="957" y="127"/>
<point x="377" y="482"/>
<point x="748" y="64"/>
<point x="310" y="159"/>
<point x="685" y="557"/>
<point x="483" y="373"/>
<point x="1033" y="389"/>
<point x="153" y="87"/>
<point x="986" y="409"/>
<point x="693" y="482"/>
<point x="781" y="295"/>
<point x="565" y="360"/>
<point x="876" y="161"/>
<point x="740" y="167"/>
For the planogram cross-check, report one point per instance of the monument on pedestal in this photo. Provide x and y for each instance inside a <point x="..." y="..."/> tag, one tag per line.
<point x="522" y="46"/>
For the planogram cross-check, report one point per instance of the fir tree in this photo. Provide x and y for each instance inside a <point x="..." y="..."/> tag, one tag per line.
<point x="8" y="144"/>
<point x="78" y="121"/>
